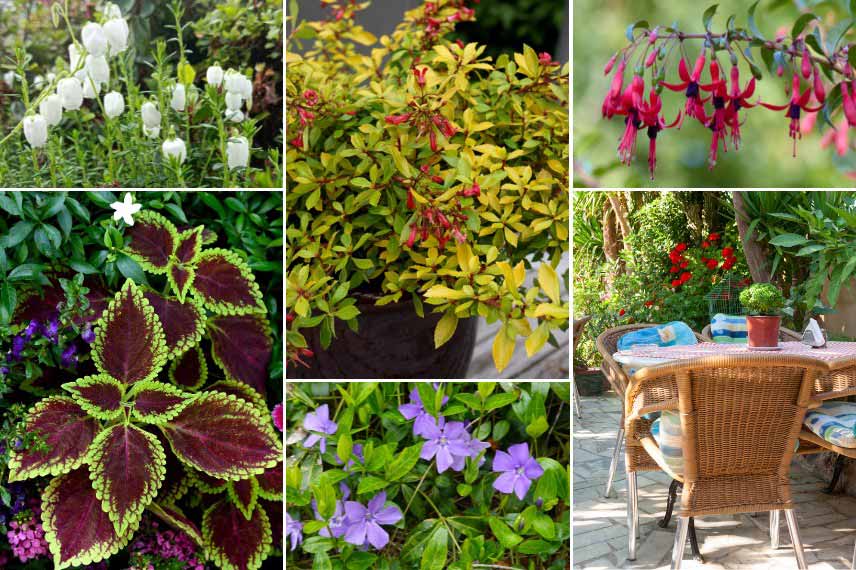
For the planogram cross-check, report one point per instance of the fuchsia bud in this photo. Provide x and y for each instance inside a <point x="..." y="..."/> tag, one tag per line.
<point x="649" y="61"/>
<point x="806" y="63"/>
<point x="459" y="43"/>
<point x="444" y="221"/>
<point x="411" y="204"/>
<point x="780" y="71"/>
<point x="474" y="190"/>
<point x="848" y="104"/>
<point x="819" y="89"/>
<point x="397" y="119"/>
<point x="437" y="179"/>
<point x="652" y="37"/>
<point x="459" y="237"/>
<point x="411" y="239"/>
<point x="432" y="139"/>
<point x="610" y="64"/>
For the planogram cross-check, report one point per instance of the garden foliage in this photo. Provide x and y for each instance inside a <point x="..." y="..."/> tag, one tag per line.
<point x="424" y="172"/>
<point x="442" y="477"/>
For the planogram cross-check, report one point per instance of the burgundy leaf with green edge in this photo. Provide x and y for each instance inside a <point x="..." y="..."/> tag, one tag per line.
<point x="174" y="517"/>
<point x="245" y="495"/>
<point x="208" y="484"/>
<point x="189" y="371"/>
<point x="275" y="516"/>
<point x="153" y="240"/>
<point x="189" y="245"/>
<point x="223" y="436"/>
<point x="241" y="346"/>
<point x="180" y="279"/>
<point x="239" y="389"/>
<point x="100" y="395"/>
<point x="41" y="305"/>
<point x="270" y="483"/>
<point x="77" y="529"/>
<point x="67" y="432"/>
<point x="183" y="323"/>
<point x="232" y="541"/>
<point x="129" y="343"/>
<point x="177" y="480"/>
<point x="127" y="466"/>
<point x="157" y="402"/>
<point x="226" y="284"/>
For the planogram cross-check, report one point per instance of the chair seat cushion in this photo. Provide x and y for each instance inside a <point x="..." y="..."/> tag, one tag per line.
<point x="728" y="329"/>
<point x="834" y="422"/>
<point x="670" y="334"/>
<point x="667" y="433"/>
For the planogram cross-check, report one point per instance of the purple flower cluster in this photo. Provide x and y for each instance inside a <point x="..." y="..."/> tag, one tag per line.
<point x="49" y="330"/>
<point x="169" y="545"/>
<point x="360" y="525"/>
<point x="26" y="535"/>
<point x="319" y="426"/>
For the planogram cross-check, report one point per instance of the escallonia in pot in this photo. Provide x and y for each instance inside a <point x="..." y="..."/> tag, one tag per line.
<point x="764" y="301"/>
<point x="431" y="172"/>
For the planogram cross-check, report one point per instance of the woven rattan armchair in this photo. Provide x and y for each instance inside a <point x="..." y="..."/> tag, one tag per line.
<point x="636" y="459"/>
<point x="741" y="416"/>
<point x="579" y="325"/>
<point x="785" y="335"/>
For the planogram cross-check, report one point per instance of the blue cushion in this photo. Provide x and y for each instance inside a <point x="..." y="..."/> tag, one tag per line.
<point x="835" y="422"/>
<point x="729" y="329"/>
<point x="667" y="432"/>
<point x="670" y="334"/>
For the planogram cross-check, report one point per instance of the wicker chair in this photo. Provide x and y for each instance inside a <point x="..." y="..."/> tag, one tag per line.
<point x="579" y="325"/>
<point x="785" y="335"/>
<point x="741" y="416"/>
<point x="636" y="459"/>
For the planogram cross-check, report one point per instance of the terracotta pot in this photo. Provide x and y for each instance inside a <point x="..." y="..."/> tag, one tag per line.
<point x="763" y="330"/>
<point x="392" y="342"/>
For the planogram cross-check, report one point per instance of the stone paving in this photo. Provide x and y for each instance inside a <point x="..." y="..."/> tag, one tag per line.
<point x="827" y="522"/>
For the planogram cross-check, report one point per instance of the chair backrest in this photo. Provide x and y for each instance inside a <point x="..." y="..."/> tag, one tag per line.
<point x="741" y="416"/>
<point x="579" y="325"/>
<point x="785" y="335"/>
<point x="607" y="341"/>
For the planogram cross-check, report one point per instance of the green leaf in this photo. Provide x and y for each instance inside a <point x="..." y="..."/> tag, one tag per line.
<point x="500" y="428"/>
<point x="486" y="389"/>
<point x="360" y="391"/>
<point x="801" y="23"/>
<point x="538" y="547"/>
<point x="426" y="394"/>
<point x="343" y="449"/>
<point x="500" y="400"/>
<point x="436" y="549"/>
<point x="186" y="73"/>
<point x="321" y="562"/>
<point x="25" y="272"/>
<point x="752" y="25"/>
<point x="9" y="205"/>
<point x="370" y="484"/>
<point x="471" y="400"/>
<point x="131" y="269"/>
<point x="403" y="462"/>
<point x="8" y="301"/>
<point x="17" y="233"/>
<point x="43" y="242"/>
<point x="464" y="490"/>
<point x="325" y="498"/>
<point x="506" y="537"/>
<point x="809" y="249"/>
<point x="361" y="182"/>
<point x="708" y="16"/>
<point x="537" y="427"/>
<point x="53" y="205"/>
<point x="639" y="24"/>
<point x="544" y="526"/>
<point x="788" y="240"/>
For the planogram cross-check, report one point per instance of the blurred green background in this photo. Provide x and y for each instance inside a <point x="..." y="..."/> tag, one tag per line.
<point x="765" y="157"/>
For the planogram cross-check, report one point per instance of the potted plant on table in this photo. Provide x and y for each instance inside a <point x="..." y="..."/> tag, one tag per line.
<point x="763" y="301"/>
<point x="421" y="174"/>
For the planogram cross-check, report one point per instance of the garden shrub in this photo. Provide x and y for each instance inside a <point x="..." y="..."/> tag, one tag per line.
<point x="441" y="476"/>
<point x="152" y="393"/>
<point x="426" y="172"/>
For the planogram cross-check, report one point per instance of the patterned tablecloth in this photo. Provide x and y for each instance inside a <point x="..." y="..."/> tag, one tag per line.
<point x="834" y="350"/>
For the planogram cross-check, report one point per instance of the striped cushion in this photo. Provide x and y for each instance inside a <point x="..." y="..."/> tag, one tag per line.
<point x="834" y="422"/>
<point x="667" y="432"/>
<point x="728" y="329"/>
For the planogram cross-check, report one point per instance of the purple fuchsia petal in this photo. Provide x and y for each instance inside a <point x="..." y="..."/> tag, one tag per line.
<point x="409" y="411"/>
<point x="521" y="486"/>
<point x="532" y="469"/>
<point x="376" y="535"/>
<point x="503" y="462"/>
<point x="389" y="515"/>
<point x="504" y="483"/>
<point x="356" y="533"/>
<point x="444" y="459"/>
<point x="519" y="453"/>
<point x="376" y="504"/>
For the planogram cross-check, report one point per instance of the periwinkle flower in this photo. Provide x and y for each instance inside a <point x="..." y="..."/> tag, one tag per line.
<point x="320" y="426"/>
<point x="337" y="524"/>
<point x="364" y="522"/>
<point x="294" y="530"/>
<point x="18" y="344"/>
<point x="519" y="468"/>
<point x="32" y="328"/>
<point x="449" y="442"/>
<point x="4" y="370"/>
<point x="69" y="356"/>
<point x="357" y="450"/>
<point x="36" y="130"/>
<point x="416" y="410"/>
<point x="88" y="335"/>
<point x="51" y="330"/>
<point x="51" y="109"/>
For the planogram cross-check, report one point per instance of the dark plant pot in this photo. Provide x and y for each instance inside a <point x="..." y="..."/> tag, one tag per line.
<point x="763" y="331"/>
<point x="393" y="342"/>
<point x="590" y="382"/>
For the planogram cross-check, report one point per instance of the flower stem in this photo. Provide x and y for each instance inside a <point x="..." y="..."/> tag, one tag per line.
<point x="443" y="520"/>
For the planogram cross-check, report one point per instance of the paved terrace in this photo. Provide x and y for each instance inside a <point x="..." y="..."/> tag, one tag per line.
<point x="827" y="522"/>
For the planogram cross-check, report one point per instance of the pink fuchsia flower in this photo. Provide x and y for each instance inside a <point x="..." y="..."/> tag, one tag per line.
<point x="691" y="88"/>
<point x="319" y="425"/>
<point x="799" y="102"/>
<point x="415" y="410"/>
<point x="276" y="414"/>
<point x="294" y="530"/>
<point x="449" y="442"/>
<point x="519" y="470"/>
<point x="364" y="522"/>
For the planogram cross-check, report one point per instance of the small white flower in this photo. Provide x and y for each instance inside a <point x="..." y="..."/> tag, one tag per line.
<point x="117" y="32"/>
<point x="91" y="88"/>
<point x="125" y="210"/>
<point x="36" y="130"/>
<point x="174" y="148"/>
<point x="94" y="39"/>
<point x="73" y="57"/>
<point x="112" y="12"/>
<point x="38" y="81"/>
<point x="246" y="88"/>
<point x="238" y="152"/>
<point x="50" y="76"/>
<point x="9" y="78"/>
<point x="97" y="68"/>
<point x="179" y="99"/>
<point x="51" y="109"/>
<point x="152" y="133"/>
<point x="233" y="81"/>
<point x="151" y="115"/>
<point x="234" y="116"/>
<point x="214" y="75"/>
<point x="71" y="92"/>
<point x="233" y="101"/>
<point x="114" y="104"/>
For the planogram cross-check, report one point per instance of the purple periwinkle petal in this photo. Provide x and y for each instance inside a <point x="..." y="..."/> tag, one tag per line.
<point x="364" y="522"/>
<point x="69" y="356"/>
<point x="446" y="442"/>
<point x="518" y="470"/>
<point x="51" y="330"/>
<point x="376" y="536"/>
<point x="294" y="529"/>
<point x="32" y="328"/>
<point x="88" y="335"/>
<point x="318" y="423"/>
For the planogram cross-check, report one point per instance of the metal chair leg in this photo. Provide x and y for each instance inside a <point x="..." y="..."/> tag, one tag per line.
<point x="670" y="503"/>
<point x="853" y="562"/>
<point x="774" y="529"/>
<point x="632" y="515"/>
<point x="680" y="542"/>
<point x="577" y="401"/>
<point x="836" y="474"/>
<point x="694" y="549"/>
<point x="616" y="453"/>
<point x="791" y="519"/>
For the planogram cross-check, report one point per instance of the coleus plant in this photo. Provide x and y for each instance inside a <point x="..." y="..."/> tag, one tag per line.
<point x="424" y="172"/>
<point x="138" y="434"/>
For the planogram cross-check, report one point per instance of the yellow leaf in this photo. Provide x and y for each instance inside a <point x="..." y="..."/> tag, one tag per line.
<point x="464" y="256"/>
<point x="510" y="282"/>
<point x="362" y="36"/>
<point x="537" y="339"/>
<point x="511" y="237"/>
<point x="554" y="311"/>
<point x="443" y="292"/>
<point x="444" y="53"/>
<point x="549" y="281"/>
<point x="503" y="349"/>
<point x="519" y="273"/>
<point x="445" y="329"/>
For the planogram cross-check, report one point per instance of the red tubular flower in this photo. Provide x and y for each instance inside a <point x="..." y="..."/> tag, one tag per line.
<point x="798" y="103"/>
<point x="459" y="43"/>
<point x="467" y="13"/>
<point x="612" y="101"/>
<point x="459" y="237"/>
<point x="631" y="104"/>
<point x="737" y="100"/>
<point x="806" y="63"/>
<point x="444" y="125"/>
<point x="430" y="8"/>
<point x="839" y="136"/>
<point x="474" y="190"/>
<point x="819" y="89"/>
<point x="297" y="141"/>
<point x="848" y="101"/>
<point x="397" y="119"/>
<point x="649" y="61"/>
<point x="411" y="203"/>
<point x="437" y="179"/>
<point x="306" y="352"/>
<point x="420" y="75"/>
<point x="674" y="269"/>
<point x="651" y="117"/>
<point x="411" y="239"/>
<point x="545" y="59"/>
<point x="444" y="221"/>
<point x="454" y="17"/>
<point x="621" y="313"/>
<point x="310" y="96"/>
<point x="432" y="139"/>
<point x="689" y="84"/>
<point x="727" y="251"/>
<point x="306" y="117"/>
<point x="610" y="64"/>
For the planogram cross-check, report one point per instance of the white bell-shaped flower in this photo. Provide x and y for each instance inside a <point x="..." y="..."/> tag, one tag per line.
<point x="214" y="75"/>
<point x="73" y="57"/>
<point x="179" y="97"/>
<point x="97" y="68"/>
<point x="38" y="81"/>
<point x="114" y="104"/>
<point x="112" y="11"/>
<point x="238" y="152"/>
<point x="233" y="81"/>
<point x="9" y="78"/>
<point x="233" y="101"/>
<point x="91" y="88"/>
<point x="151" y="115"/>
<point x="71" y="92"/>
<point x="94" y="39"/>
<point x="174" y="148"/>
<point x="51" y="109"/>
<point x="36" y="130"/>
<point x="117" y="32"/>
<point x="233" y="115"/>
<point x="152" y="133"/>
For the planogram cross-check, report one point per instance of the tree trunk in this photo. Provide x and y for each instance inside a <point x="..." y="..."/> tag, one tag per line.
<point x="616" y="200"/>
<point x="610" y="240"/>
<point x="756" y="255"/>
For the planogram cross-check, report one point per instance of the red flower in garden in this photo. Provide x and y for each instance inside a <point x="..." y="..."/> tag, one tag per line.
<point x="546" y="59"/>
<point x="621" y="313"/>
<point x="686" y="276"/>
<point x="674" y="269"/>
<point x="649" y="303"/>
<point x="612" y="101"/>
<point x="684" y="264"/>
<point x="848" y="101"/>
<point x="737" y="100"/>
<point x="681" y="247"/>
<point x="297" y="141"/>
<point x="411" y="204"/>
<point x="420" y="75"/>
<point x="689" y="84"/>
<point x="311" y="97"/>
<point x="713" y="237"/>
<point x="705" y="245"/>
<point x="717" y="122"/>
<point x="676" y="283"/>
<point x="797" y="104"/>
<point x="819" y="89"/>
<point x="712" y="263"/>
<point x="727" y="251"/>
<point x="651" y="118"/>
<point x="474" y="190"/>
<point x="306" y="117"/>
<point x="397" y="119"/>
<point x="631" y="105"/>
